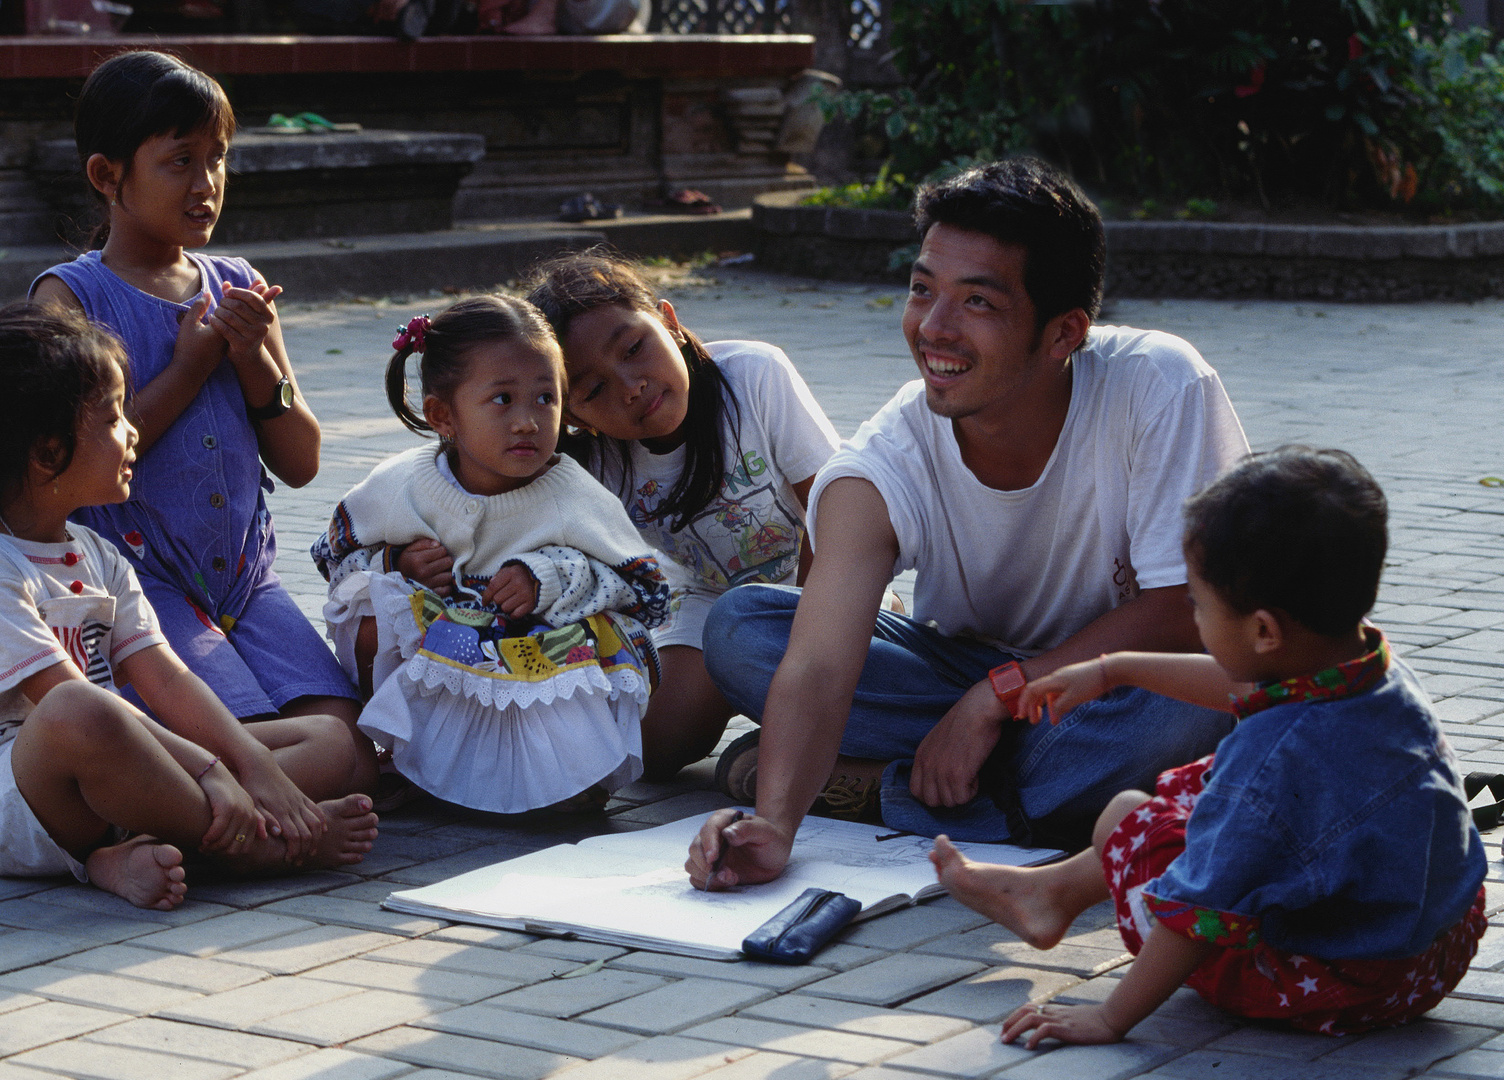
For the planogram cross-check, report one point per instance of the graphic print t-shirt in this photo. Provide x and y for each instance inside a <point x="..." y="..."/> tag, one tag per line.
<point x="78" y="599"/>
<point x="752" y="531"/>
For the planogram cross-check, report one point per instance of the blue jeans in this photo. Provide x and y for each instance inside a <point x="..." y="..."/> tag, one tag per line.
<point x="1044" y="784"/>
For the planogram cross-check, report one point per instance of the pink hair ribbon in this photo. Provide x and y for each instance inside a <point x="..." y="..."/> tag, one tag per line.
<point x="413" y="335"/>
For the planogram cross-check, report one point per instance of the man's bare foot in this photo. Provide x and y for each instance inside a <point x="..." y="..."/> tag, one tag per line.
<point x="143" y="870"/>
<point x="1018" y="897"/>
<point x="535" y="23"/>
<point x="351" y="832"/>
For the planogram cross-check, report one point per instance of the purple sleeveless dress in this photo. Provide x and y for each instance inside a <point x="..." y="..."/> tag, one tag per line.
<point x="196" y="526"/>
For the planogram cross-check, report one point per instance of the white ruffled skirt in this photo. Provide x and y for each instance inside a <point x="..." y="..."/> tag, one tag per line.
<point x="498" y="726"/>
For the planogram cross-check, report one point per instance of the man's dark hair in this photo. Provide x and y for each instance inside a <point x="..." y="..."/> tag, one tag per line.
<point x="1297" y="530"/>
<point x="1027" y="202"/>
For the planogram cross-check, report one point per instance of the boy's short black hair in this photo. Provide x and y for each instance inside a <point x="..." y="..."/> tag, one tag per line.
<point x="1296" y="530"/>
<point x="1027" y="202"/>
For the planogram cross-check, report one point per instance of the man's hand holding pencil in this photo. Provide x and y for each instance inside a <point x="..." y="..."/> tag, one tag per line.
<point x="733" y="849"/>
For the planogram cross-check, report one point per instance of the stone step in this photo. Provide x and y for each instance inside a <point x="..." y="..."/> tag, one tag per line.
<point x="478" y="256"/>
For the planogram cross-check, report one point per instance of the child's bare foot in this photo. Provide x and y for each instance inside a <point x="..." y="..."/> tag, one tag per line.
<point x="143" y="870"/>
<point x="1018" y="897"/>
<point x="350" y="835"/>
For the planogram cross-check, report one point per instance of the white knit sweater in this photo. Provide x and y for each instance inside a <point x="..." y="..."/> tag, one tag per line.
<point x="572" y="534"/>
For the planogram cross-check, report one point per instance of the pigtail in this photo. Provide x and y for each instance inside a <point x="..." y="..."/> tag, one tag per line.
<point x="713" y="409"/>
<point x="396" y="392"/>
<point x="411" y="338"/>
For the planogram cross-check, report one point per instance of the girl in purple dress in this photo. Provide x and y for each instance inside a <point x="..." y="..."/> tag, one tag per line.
<point x="213" y="394"/>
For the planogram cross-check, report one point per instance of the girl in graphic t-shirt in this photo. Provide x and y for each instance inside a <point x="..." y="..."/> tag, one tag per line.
<point x="80" y="768"/>
<point x="712" y="448"/>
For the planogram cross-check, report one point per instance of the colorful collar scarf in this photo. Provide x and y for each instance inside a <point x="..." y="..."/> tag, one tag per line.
<point x="1344" y="680"/>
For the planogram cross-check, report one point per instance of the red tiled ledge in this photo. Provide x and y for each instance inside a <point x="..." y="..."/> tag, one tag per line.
<point x="225" y="54"/>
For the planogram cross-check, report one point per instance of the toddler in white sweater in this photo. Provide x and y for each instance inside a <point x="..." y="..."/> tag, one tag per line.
<point x="520" y="680"/>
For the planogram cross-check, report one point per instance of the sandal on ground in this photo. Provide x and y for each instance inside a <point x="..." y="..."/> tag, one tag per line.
<point x="586" y="207"/>
<point x="690" y="201"/>
<point x="413" y="19"/>
<point x="394" y="791"/>
<point x="590" y="801"/>
<point x="736" y="770"/>
<point x="847" y="797"/>
<point x="312" y="121"/>
<point x="1489" y="815"/>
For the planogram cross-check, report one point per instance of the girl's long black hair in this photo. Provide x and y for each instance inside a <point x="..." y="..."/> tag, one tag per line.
<point x="135" y="95"/>
<point x="573" y="284"/>
<point x="54" y="364"/>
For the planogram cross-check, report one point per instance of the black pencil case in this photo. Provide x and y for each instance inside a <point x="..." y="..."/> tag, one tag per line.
<point x="800" y="930"/>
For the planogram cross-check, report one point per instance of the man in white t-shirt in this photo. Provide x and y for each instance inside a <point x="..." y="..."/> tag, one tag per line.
<point x="1034" y="478"/>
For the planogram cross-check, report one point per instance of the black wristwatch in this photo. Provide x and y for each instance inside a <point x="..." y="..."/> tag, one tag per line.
<point x="280" y="403"/>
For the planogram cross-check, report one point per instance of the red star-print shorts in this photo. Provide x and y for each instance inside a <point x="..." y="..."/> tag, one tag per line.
<point x="1338" y="997"/>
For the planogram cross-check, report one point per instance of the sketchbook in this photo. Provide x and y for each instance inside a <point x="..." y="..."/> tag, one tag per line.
<point x="630" y="889"/>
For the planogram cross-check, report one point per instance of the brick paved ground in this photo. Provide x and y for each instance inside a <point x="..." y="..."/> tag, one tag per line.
<point x="308" y="977"/>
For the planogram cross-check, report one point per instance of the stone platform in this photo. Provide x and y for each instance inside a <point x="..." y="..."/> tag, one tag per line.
<point x="308" y="978"/>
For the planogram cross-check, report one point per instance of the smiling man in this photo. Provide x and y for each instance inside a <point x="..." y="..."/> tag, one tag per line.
<point x="1033" y="477"/>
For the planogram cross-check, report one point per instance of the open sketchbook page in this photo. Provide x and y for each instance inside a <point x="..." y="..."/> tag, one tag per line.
<point x="631" y="889"/>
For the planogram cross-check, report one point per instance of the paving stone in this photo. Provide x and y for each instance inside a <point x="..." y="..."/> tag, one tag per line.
<point x="1483" y="1064"/>
<point x="10" y="1001"/>
<point x="668" y="1057"/>
<point x="977" y="1052"/>
<point x="1115" y="1061"/>
<point x="95" y="1061"/>
<point x="462" y="987"/>
<point x="1483" y="985"/>
<point x="570" y="997"/>
<point x="50" y="1022"/>
<point x="332" y="1064"/>
<point x="79" y="897"/>
<point x="1274" y="1042"/>
<point x="769" y="1066"/>
<point x="1076" y="959"/>
<point x="894" y="979"/>
<point x="307" y="949"/>
<point x="482" y="935"/>
<point x="203" y="1043"/>
<point x="773" y="976"/>
<point x="803" y="1041"/>
<point x="1201" y="1064"/>
<point x="90" y="988"/>
<point x="11" y="1071"/>
<point x="476" y="1057"/>
<point x="1415" y="1046"/>
<point x="28" y="913"/>
<point x="188" y="972"/>
<point x="904" y="1024"/>
<point x="496" y="963"/>
<point x="22" y="948"/>
<point x="1176" y="1031"/>
<point x="351" y="1017"/>
<point x="525" y="1029"/>
<point x="992" y="994"/>
<point x="246" y="1005"/>
<point x="249" y="894"/>
<point x="347" y="912"/>
<point x="1466" y="1011"/>
<point x="676" y="1006"/>
<point x="842" y="956"/>
<point x="912" y="926"/>
<point x="213" y="936"/>
<point x="583" y="952"/>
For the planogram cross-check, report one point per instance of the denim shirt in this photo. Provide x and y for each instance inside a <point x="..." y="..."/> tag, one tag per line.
<point x="1332" y="824"/>
<point x="197" y="516"/>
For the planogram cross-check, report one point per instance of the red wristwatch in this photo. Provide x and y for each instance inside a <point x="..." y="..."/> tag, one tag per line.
<point x="1008" y="682"/>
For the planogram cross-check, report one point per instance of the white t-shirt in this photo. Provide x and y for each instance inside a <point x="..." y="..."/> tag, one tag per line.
<point x="79" y="599"/>
<point x="1149" y="425"/>
<point x="752" y="530"/>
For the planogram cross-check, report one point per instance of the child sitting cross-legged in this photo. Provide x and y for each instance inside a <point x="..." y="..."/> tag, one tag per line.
<point x="1322" y="867"/>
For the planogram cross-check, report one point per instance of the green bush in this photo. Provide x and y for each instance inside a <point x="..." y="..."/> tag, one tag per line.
<point x="1351" y="103"/>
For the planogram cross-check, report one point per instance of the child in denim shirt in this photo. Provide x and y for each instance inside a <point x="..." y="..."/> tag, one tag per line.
<point x="1322" y="867"/>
